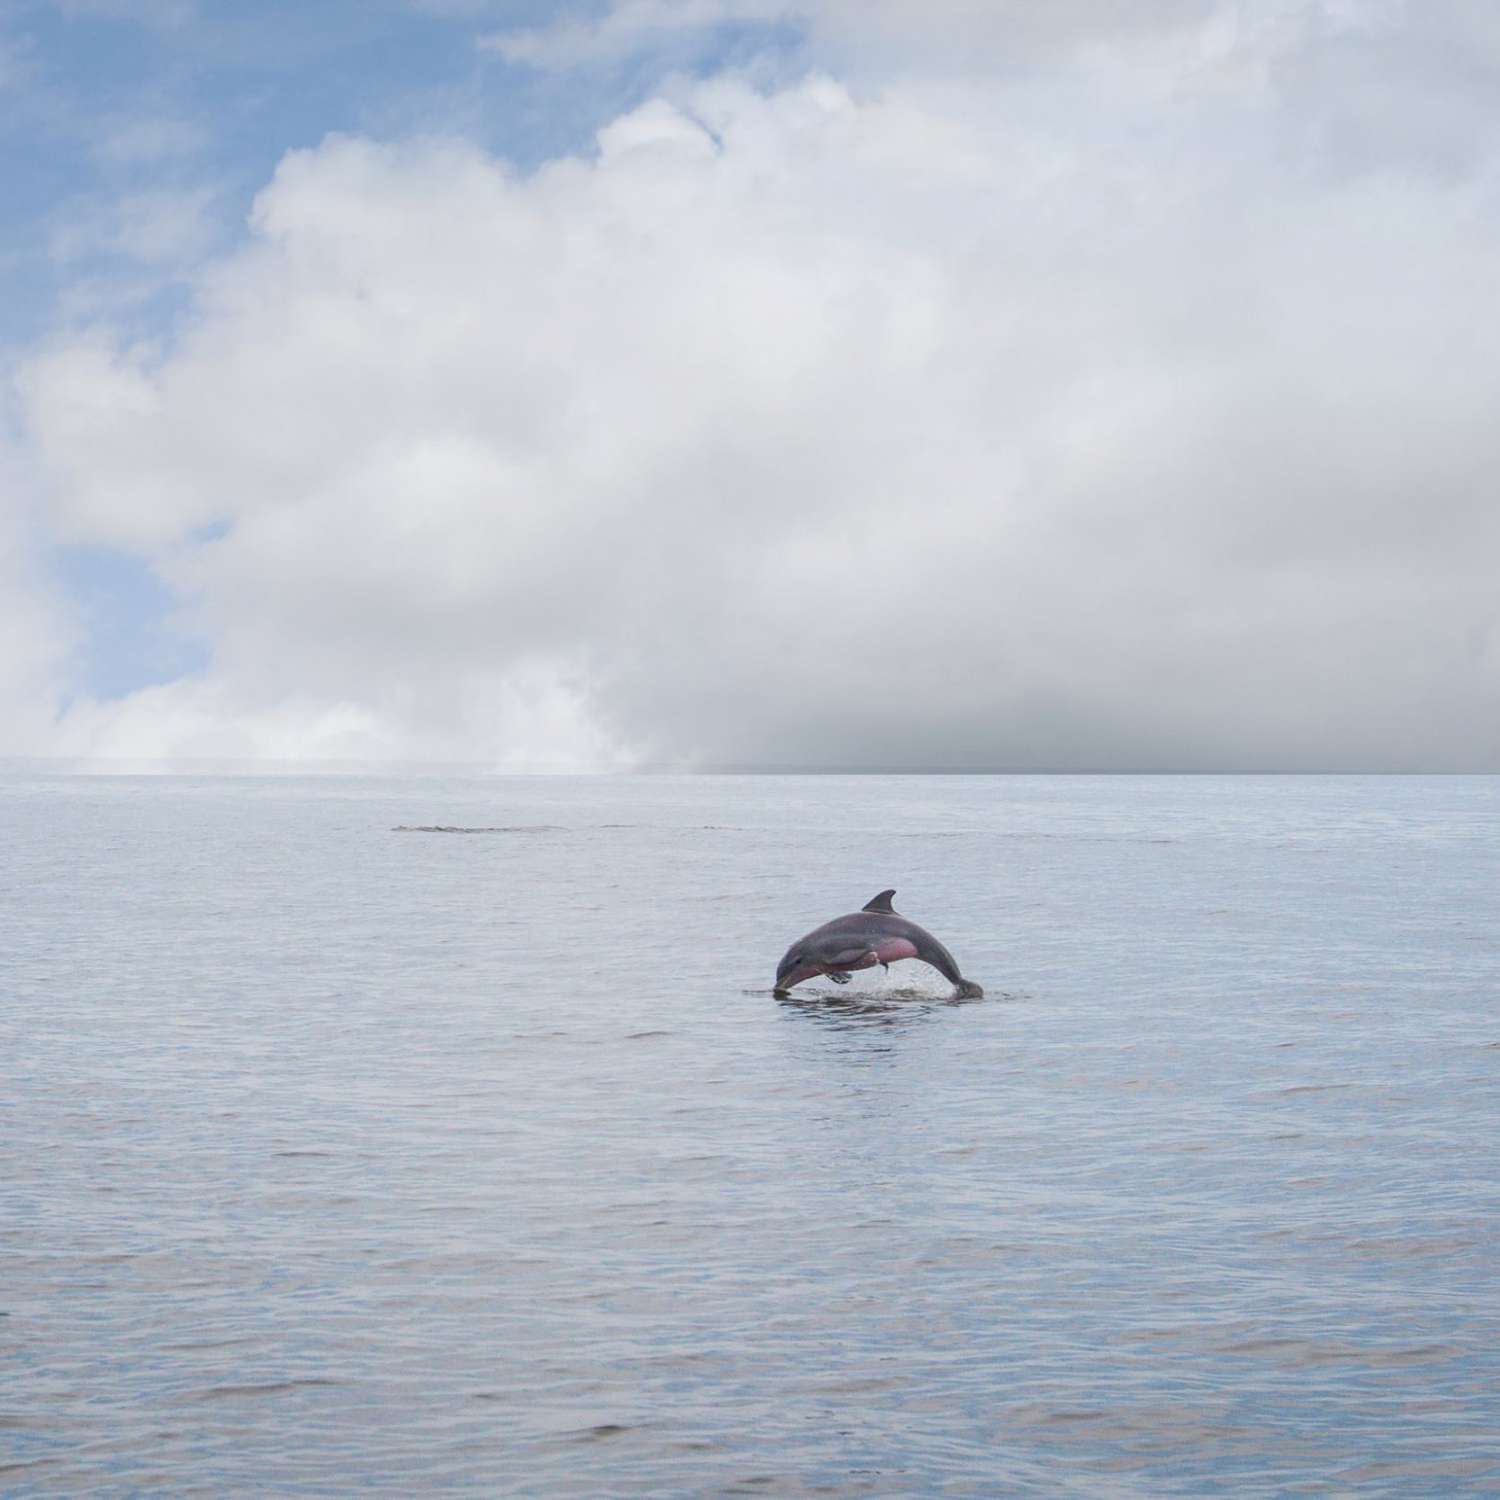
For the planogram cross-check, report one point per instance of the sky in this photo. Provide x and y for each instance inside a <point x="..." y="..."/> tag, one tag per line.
<point x="817" y="384"/>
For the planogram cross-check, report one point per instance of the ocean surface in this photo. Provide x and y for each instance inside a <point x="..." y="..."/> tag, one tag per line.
<point x="339" y="1159"/>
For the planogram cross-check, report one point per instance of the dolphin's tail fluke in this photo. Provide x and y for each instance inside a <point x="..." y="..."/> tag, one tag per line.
<point x="930" y="951"/>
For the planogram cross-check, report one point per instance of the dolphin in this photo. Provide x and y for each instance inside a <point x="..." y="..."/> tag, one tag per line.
<point x="876" y="935"/>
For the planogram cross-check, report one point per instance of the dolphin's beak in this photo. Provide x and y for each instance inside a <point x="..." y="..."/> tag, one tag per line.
<point x="788" y="973"/>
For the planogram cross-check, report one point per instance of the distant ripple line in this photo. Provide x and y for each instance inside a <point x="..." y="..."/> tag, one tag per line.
<point x="451" y="828"/>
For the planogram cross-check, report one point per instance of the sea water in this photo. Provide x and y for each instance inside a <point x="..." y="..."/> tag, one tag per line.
<point x="339" y="1156"/>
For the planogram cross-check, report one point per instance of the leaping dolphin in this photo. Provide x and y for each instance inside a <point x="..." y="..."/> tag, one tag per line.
<point x="876" y="935"/>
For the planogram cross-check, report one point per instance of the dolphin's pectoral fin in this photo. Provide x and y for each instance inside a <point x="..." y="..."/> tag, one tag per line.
<point x="839" y="977"/>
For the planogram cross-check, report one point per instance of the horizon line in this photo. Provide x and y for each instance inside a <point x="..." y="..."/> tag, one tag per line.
<point x="354" y="766"/>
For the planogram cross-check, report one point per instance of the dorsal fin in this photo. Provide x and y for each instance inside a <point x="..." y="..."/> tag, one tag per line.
<point x="882" y="902"/>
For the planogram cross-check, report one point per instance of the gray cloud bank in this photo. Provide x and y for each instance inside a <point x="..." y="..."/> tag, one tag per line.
<point x="1115" y="399"/>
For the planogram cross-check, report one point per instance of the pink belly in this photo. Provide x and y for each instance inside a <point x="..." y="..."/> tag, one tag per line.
<point x="893" y="948"/>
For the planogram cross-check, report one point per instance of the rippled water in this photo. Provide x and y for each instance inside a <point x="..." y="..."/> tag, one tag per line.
<point x="335" y="1158"/>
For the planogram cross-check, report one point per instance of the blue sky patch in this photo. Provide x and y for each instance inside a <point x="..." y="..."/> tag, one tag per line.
<point x="130" y="617"/>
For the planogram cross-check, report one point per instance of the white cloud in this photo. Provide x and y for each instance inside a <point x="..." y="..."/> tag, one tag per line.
<point x="965" y="33"/>
<point x="975" y="424"/>
<point x="34" y="630"/>
<point x="159" y="227"/>
<point x="131" y="140"/>
<point x="625" y="27"/>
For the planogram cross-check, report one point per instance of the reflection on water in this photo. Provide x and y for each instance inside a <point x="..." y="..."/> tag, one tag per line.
<point x="853" y="1008"/>
<point x="335" y="1158"/>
